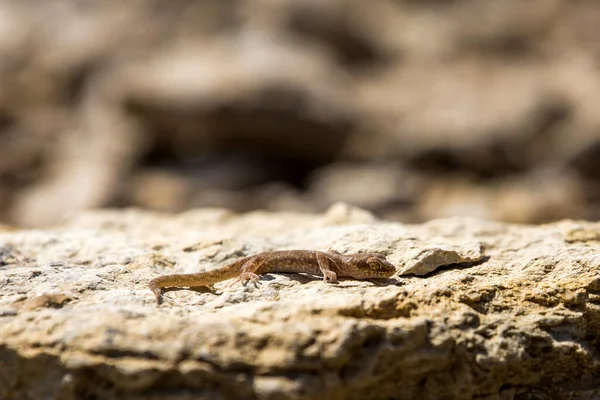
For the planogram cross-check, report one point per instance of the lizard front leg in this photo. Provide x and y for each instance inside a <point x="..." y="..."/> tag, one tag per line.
<point x="325" y="267"/>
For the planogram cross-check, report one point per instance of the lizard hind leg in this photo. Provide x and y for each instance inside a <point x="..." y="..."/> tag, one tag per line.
<point x="246" y="277"/>
<point x="248" y="273"/>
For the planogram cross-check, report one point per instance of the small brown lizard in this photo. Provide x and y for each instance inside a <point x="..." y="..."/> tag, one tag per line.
<point x="330" y="265"/>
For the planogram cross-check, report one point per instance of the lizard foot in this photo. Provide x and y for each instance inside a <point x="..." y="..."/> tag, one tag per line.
<point x="330" y="276"/>
<point x="246" y="277"/>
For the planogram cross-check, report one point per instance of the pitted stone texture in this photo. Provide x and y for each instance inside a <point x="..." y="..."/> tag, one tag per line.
<point x="504" y="311"/>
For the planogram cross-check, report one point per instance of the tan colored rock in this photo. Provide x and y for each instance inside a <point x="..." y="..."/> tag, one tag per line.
<point x="514" y="315"/>
<point x="423" y="256"/>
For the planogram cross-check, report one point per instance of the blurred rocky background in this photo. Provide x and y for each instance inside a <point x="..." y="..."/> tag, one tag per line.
<point x="411" y="109"/>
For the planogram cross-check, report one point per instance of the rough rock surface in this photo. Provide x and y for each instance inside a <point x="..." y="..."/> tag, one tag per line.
<point x="507" y="311"/>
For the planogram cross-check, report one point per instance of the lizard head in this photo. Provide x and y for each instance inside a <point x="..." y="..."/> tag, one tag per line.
<point x="370" y="265"/>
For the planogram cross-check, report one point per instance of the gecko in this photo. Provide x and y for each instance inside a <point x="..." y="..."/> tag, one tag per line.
<point x="330" y="265"/>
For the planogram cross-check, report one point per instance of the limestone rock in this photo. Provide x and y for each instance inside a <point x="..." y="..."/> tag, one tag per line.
<point x="423" y="257"/>
<point x="504" y="312"/>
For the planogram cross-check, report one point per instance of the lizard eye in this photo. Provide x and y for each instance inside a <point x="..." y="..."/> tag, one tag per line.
<point x="375" y="265"/>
